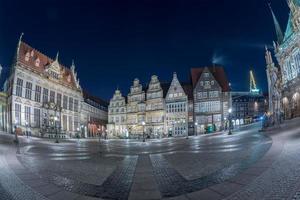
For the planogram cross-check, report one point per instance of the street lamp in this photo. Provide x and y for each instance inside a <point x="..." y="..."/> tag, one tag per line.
<point x="230" y="120"/>
<point x="196" y="125"/>
<point x="99" y="134"/>
<point x="26" y="128"/>
<point x="56" y="131"/>
<point x="16" y="134"/>
<point x="143" y="124"/>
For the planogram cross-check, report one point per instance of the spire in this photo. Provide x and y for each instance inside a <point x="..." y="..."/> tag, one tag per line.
<point x="277" y="26"/>
<point x="174" y="75"/>
<point x="73" y="66"/>
<point x="57" y="55"/>
<point x="19" y="45"/>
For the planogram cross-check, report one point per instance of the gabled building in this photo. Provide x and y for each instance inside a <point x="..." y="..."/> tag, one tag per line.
<point x="287" y="52"/>
<point x="155" y="109"/>
<point x="211" y="93"/>
<point x="177" y="108"/>
<point x="117" y="122"/>
<point x="136" y="107"/>
<point x="43" y="96"/>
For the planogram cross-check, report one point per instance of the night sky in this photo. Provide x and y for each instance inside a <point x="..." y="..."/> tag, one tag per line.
<point x="115" y="41"/>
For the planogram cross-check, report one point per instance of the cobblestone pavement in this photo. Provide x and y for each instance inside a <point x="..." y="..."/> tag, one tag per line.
<point x="11" y="187"/>
<point x="282" y="179"/>
<point x="246" y="165"/>
<point x="171" y="183"/>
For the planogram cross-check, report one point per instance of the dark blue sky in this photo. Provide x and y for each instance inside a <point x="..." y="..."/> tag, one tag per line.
<point x="114" y="41"/>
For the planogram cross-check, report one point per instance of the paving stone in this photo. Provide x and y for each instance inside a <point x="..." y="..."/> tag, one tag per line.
<point x="48" y="190"/>
<point x="205" y="194"/>
<point x="63" y="195"/>
<point x="181" y="197"/>
<point x="243" y="179"/>
<point x="145" y="195"/>
<point x="226" y="188"/>
<point x="144" y="185"/>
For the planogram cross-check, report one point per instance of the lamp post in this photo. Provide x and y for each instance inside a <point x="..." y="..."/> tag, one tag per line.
<point x="26" y="128"/>
<point x="56" y="129"/>
<point x="143" y="124"/>
<point x="196" y="125"/>
<point x="99" y="134"/>
<point x="16" y="134"/>
<point x="230" y="121"/>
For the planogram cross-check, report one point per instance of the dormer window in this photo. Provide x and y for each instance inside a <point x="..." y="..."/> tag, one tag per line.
<point x="37" y="62"/>
<point x="27" y="55"/>
<point x="69" y="79"/>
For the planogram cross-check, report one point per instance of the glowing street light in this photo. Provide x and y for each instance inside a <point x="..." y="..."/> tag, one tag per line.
<point x="143" y="124"/>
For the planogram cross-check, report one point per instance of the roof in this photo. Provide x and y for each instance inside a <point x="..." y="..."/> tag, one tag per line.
<point x="45" y="61"/>
<point x="98" y="100"/>
<point x="217" y="71"/>
<point x="289" y="29"/>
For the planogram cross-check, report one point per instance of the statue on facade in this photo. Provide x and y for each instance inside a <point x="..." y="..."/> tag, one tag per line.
<point x="275" y="90"/>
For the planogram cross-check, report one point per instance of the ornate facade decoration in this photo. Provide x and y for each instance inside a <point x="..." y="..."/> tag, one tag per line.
<point x="176" y="109"/>
<point x="211" y="99"/>
<point x="43" y="97"/>
<point x="136" y="107"/>
<point x="117" y="124"/>
<point x="284" y="80"/>
<point x="155" y="109"/>
<point x="170" y="109"/>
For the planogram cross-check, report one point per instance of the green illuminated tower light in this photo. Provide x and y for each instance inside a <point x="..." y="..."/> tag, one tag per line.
<point x="253" y="88"/>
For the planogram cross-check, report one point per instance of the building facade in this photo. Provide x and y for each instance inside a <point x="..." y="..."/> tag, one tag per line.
<point x="155" y="109"/>
<point x="247" y="107"/>
<point x="44" y="98"/>
<point x="3" y="110"/>
<point x="136" y="107"/>
<point x="117" y="122"/>
<point x="287" y="52"/>
<point x="177" y="108"/>
<point x="172" y="109"/>
<point x="93" y="116"/>
<point x="212" y="98"/>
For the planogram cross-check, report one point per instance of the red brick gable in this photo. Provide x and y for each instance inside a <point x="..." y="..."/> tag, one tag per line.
<point x="45" y="62"/>
<point x="217" y="71"/>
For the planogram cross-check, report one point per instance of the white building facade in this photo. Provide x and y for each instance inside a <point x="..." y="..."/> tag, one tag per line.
<point x="155" y="109"/>
<point x="117" y="123"/>
<point x="136" y="107"/>
<point x="44" y="97"/>
<point x="176" y="109"/>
